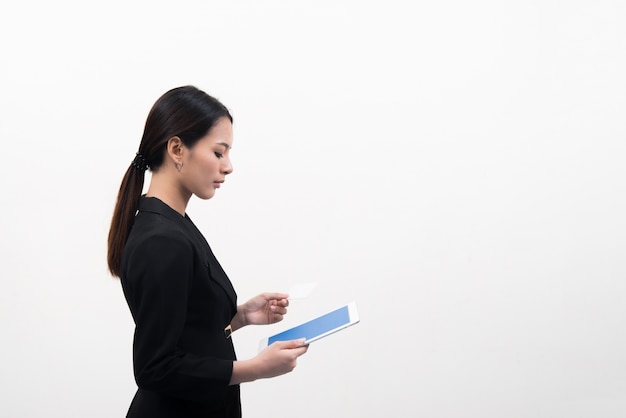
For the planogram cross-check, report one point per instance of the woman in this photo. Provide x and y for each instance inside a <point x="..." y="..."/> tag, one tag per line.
<point x="183" y="304"/>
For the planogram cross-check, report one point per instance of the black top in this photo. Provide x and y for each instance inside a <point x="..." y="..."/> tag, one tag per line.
<point x="181" y="300"/>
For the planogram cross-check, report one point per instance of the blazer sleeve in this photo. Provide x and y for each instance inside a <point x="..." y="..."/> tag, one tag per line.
<point x="159" y="275"/>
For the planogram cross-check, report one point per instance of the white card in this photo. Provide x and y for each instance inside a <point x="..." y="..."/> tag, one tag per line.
<point x="301" y="290"/>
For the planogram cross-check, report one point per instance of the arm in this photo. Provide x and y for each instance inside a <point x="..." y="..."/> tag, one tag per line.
<point x="158" y="278"/>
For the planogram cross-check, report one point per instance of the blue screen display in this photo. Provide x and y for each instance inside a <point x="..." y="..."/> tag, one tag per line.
<point x="315" y="327"/>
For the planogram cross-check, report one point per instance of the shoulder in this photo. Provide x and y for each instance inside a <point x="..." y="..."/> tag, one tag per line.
<point x="153" y="235"/>
<point x="158" y="254"/>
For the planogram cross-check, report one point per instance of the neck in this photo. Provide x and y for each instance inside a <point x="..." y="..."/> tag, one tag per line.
<point x="169" y="192"/>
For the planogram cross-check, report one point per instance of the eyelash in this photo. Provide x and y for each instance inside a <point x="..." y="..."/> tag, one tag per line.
<point x="218" y="155"/>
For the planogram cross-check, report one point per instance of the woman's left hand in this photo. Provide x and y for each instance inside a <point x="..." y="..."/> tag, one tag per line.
<point x="266" y="308"/>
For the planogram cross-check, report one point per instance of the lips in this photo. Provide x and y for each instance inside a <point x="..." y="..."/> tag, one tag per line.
<point x="218" y="184"/>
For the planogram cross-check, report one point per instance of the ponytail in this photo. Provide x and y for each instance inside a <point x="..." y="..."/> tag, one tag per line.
<point x="124" y="214"/>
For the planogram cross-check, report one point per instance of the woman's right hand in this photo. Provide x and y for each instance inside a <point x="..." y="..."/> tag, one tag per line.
<point x="279" y="358"/>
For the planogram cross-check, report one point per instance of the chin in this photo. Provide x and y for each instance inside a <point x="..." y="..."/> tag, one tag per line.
<point x="206" y="195"/>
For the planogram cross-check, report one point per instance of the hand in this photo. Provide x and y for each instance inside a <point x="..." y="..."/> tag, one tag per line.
<point x="280" y="357"/>
<point x="266" y="308"/>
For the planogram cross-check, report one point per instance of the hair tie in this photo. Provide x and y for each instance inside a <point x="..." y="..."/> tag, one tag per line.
<point x="140" y="163"/>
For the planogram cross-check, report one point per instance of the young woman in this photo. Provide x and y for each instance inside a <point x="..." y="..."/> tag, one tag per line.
<point x="183" y="304"/>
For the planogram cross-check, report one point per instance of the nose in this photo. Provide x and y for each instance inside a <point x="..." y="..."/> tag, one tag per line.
<point x="227" y="166"/>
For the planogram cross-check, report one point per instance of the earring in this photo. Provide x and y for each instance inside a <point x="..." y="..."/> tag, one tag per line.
<point x="179" y="166"/>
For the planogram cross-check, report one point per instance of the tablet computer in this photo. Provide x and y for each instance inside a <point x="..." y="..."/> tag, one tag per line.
<point x="320" y="327"/>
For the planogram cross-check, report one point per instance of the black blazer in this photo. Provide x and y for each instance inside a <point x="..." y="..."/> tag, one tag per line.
<point x="181" y="300"/>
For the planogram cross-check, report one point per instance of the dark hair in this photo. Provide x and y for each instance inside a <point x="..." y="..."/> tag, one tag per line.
<point x="186" y="112"/>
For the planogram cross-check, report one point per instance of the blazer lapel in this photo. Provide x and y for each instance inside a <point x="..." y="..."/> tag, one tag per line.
<point x="217" y="272"/>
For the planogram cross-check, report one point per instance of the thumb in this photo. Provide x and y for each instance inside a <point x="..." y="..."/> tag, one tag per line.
<point x="294" y="343"/>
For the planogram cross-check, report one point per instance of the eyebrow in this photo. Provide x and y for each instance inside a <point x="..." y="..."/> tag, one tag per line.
<point x="225" y="145"/>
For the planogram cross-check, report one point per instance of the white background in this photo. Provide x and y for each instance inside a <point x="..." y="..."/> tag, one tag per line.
<point x="455" y="167"/>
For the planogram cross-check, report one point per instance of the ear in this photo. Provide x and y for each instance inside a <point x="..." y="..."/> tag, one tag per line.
<point x="175" y="149"/>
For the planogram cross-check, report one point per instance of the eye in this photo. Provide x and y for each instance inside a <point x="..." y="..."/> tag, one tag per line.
<point x="218" y="155"/>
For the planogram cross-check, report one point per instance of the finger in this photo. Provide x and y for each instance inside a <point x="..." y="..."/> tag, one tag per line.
<point x="278" y="309"/>
<point x="300" y="350"/>
<point x="275" y="316"/>
<point x="276" y="296"/>
<point x="298" y="343"/>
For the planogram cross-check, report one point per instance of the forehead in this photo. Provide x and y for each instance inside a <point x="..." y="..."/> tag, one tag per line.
<point x="221" y="133"/>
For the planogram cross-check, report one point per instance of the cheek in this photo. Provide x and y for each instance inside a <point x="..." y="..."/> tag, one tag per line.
<point x="209" y="165"/>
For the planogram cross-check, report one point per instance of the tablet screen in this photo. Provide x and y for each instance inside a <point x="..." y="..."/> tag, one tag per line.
<point x="316" y="327"/>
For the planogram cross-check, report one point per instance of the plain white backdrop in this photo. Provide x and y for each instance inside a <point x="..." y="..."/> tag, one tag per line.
<point x="456" y="168"/>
